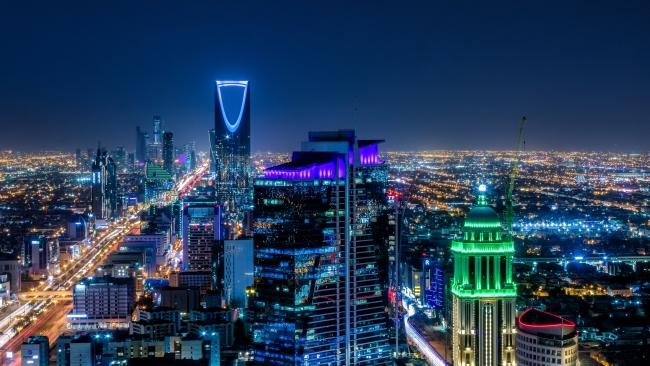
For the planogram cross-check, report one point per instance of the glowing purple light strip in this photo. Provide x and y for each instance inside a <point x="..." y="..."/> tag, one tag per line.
<point x="315" y="171"/>
<point x="369" y="155"/>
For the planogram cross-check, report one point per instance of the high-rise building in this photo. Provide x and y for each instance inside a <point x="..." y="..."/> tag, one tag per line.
<point x="201" y="231"/>
<point x="141" y="143"/>
<point x="157" y="181"/>
<point x="119" y="156"/>
<point x="433" y="283"/>
<point x="104" y="186"/>
<point x="317" y="295"/>
<point x="168" y="152"/>
<point x="102" y="302"/>
<point x="483" y="292"/>
<point x="546" y="339"/>
<point x="35" y="351"/>
<point x="77" y="228"/>
<point x="213" y="153"/>
<point x="189" y="151"/>
<point x="232" y="144"/>
<point x="157" y="129"/>
<point x="36" y="255"/>
<point x="237" y="271"/>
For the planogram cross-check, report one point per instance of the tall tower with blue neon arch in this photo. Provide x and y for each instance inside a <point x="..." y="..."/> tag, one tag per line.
<point x="231" y="155"/>
<point x="483" y="291"/>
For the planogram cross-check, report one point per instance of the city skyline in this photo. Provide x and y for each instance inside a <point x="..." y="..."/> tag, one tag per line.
<point x="442" y="69"/>
<point x="331" y="184"/>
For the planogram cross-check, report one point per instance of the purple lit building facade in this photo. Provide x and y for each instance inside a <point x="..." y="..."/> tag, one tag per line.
<point x="318" y="297"/>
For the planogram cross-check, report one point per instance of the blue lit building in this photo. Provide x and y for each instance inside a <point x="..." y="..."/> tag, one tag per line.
<point x="317" y="295"/>
<point x="231" y="142"/>
<point x="433" y="283"/>
<point x="141" y="142"/>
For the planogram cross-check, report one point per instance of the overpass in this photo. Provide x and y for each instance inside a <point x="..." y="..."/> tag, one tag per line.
<point x="45" y="295"/>
<point x="631" y="259"/>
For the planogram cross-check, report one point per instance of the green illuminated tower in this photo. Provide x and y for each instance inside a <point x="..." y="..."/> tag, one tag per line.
<point x="482" y="290"/>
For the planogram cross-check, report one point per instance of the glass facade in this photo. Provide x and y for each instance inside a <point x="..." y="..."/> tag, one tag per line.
<point x="318" y="298"/>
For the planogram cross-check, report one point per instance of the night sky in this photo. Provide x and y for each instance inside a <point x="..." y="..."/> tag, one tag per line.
<point x="422" y="75"/>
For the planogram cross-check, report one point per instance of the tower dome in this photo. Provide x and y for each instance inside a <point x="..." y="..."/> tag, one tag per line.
<point x="482" y="216"/>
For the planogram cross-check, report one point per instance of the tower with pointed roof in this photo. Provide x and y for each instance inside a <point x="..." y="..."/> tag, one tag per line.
<point x="483" y="291"/>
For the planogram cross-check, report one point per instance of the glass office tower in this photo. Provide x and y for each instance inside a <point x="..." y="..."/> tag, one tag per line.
<point x="318" y="298"/>
<point x="168" y="152"/>
<point x="104" y="186"/>
<point x="231" y="150"/>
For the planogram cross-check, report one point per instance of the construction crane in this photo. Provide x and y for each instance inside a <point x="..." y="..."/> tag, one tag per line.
<point x="514" y="170"/>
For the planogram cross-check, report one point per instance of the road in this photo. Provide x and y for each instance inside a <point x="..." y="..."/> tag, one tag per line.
<point x="421" y="342"/>
<point x="47" y="316"/>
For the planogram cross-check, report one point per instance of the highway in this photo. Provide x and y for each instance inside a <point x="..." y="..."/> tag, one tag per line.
<point x="415" y="337"/>
<point x="431" y="356"/>
<point x="46" y="315"/>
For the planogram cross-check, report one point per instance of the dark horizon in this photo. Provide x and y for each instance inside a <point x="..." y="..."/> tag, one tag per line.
<point x="423" y="76"/>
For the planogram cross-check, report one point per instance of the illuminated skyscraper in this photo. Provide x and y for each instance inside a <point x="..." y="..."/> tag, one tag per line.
<point x="232" y="144"/>
<point x="157" y="130"/>
<point x="155" y="147"/>
<point x="213" y="146"/>
<point x="201" y="231"/>
<point x="483" y="292"/>
<point x="36" y="255"/>
<point x="104" y="186"/>
<point x="318" y="299"/>
<point x="168" y="152"/>
<point x="141" y="143"/>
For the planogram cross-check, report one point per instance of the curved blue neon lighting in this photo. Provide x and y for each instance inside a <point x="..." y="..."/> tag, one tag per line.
<point x="241" y="84"/>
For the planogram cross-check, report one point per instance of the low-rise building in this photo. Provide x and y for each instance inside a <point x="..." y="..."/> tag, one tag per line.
<point x="545" y="339"/>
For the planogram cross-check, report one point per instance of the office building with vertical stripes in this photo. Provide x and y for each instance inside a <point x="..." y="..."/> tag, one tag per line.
<point x="317" y="295"/>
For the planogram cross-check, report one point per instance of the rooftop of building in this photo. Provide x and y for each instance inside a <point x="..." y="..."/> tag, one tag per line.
<point x="105" y="279"/>
<point x="542" y="323"/>
<point x="152" y="321"/>
<point x="482" y="216"/>
<point x="306" y="159"/>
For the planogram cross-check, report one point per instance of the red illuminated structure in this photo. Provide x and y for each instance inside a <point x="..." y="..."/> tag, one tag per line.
<point x="546" y="339"/>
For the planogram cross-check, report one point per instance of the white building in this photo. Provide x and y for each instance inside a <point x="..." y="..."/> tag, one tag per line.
<point x="546" y="339"/>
